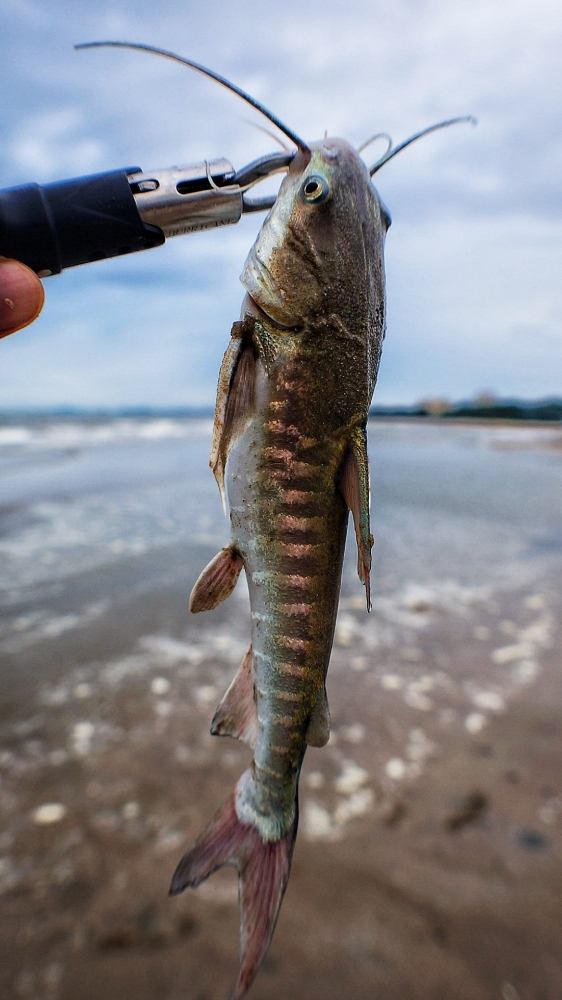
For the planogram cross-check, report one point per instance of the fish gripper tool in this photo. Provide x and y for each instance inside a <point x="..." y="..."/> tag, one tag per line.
<point x="53" y="226"/>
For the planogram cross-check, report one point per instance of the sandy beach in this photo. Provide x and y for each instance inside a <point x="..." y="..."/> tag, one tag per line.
<point x="428" y="862"/>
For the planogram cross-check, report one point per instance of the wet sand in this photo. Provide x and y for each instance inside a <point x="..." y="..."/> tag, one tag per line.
<point x="428" y="862"/>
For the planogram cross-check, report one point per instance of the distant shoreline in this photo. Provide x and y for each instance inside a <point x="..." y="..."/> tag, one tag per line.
<point x="475" y="421"/>
<point x="538" y="413"/>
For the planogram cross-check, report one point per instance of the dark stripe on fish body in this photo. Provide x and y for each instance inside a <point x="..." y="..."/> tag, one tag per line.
<point x="281" y="751"/>
<point x="289" y="585"/>
<point x="286" y="695"/>
<point x="304" y="565"/>
<point x="292" y="723"/>
<point x="291" y="626"/>
<point x="297" y="540"/>
<point x="270" y="771"/>
<point x="293" y="670"/>
<point x="300" y="478"/>
<point x="284" y="721"/>
<point x="289" y="524"/>
<point x="296" y="657"/>
<point x="311" y="507"/>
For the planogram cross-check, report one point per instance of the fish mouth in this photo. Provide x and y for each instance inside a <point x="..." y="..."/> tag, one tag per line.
<point x="265" y="295"/>
<point x="254" y="309"/>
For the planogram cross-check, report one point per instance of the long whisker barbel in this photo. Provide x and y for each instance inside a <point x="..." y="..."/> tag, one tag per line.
<point x="373" y="138"/>
<point x="166" y="54"/>
<point x="267" y="131"/>
<point x="418" y="135"/>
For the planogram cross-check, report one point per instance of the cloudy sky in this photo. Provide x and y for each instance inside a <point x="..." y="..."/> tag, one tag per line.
<point x="474" y="255"/>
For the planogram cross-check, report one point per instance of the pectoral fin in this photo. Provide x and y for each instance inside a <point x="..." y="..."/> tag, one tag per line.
<point x="217" y="581"/>
<point x="236" y="715"/>
<point x="318" y="731"/>
<point x="235" y="396"/>
<point x="354" y="486"/>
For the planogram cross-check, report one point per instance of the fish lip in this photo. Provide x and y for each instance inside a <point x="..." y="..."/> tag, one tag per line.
<point x="261" y="313"/>
<point x="260" y="286"/>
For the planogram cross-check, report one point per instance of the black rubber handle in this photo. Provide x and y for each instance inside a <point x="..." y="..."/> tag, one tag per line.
<point x="72" y="222"/>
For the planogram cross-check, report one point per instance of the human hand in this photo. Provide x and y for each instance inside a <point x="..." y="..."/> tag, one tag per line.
<point x="21" y="296"/>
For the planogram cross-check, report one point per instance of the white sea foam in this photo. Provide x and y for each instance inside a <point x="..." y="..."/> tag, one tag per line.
<point x="58" y="434"/>
<point x="359" y="663"/>
<point x="161" y="650"/>
<point x="391" y="682"/>
<point x="354" y="733"/>
<point x="316" y="822"/>
<point x="29" y="629"/>
<point x="517" y="651"/>
<point x="520" y="437"/>
<point x="395" y="768"/>
<point x="525" y="672"/>
<point x="475" y="722"/>
<point x="419" y="746"/>
<point x="415" y="697"/>
<point x="163" y="708"/>
<point x="346" y="629"/>
<point x="48" y="813"/>
<point x="538" y="632"/>
<point x="82" y="737"/>
<point x="489" y="701"/>
<point x="160" y="686"/>
<point x="315" y="779"/>
<point x="206" y="694"/>
<point x="357" y="804"/>
<point x="535" y="602"/>
<point x="15" y="436"/>
<point x="82" y="690"/>
<point x="352" y="777"/>
<point x="131" y="810"/>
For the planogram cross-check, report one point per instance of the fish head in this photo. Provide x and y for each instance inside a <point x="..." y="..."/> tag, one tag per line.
<point x="320" y="249"/>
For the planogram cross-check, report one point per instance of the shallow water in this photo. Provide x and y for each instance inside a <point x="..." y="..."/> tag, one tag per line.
<point x="447" y="501"/>
<point x="444" y="704"/>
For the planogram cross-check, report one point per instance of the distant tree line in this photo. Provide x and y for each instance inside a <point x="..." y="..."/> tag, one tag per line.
<point x="484" y="406"/>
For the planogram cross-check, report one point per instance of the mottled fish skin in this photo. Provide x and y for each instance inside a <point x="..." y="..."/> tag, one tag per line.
<point x="289" y="445"/>
<point x="288" y="517"/>
<point x="288" y="522"/>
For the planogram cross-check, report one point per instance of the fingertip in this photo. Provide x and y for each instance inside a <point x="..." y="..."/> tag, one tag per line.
<point x="21" y="296"/>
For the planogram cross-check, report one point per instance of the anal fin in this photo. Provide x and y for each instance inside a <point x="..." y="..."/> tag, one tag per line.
<point x="318" y="731"/>
<point x="217" y="581"/>
<point x="354" y="487"/>
<point x="236" y="715"/>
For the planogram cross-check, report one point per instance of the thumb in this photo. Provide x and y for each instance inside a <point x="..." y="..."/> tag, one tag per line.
<point x="21" y="296"/>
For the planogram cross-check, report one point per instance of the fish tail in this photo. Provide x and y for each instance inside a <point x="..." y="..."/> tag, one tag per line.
<point x="263" y="871"/>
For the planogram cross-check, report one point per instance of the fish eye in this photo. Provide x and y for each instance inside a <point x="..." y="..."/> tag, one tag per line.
<point x="315" y="190"/>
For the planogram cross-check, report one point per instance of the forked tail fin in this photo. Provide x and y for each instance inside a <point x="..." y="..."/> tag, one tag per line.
<point x="263" y="871"/>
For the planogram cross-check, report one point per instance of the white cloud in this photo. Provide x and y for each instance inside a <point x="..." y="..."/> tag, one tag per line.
<point x="50" y="144"/>
<point x="474" y="252"/>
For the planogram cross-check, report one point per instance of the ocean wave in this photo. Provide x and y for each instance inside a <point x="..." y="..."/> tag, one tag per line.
<point x="58" y="434"/>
